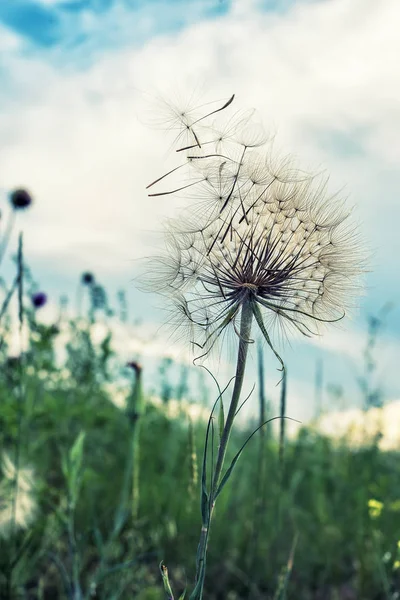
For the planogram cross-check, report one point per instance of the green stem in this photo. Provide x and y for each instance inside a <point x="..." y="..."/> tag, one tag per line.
<point x="245" y="332"/>
<point x="74" y="554"/>
<point x="260" y="499"/>
<point x="7" y="235"/>
<point x="244" y="340"/>
<point x="130" y="486"/>
<point x="135" y="411"/>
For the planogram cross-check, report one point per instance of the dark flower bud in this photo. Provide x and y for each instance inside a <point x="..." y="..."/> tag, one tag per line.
<point x="20" y="199"/>
<point x="87" y="278"/>
<point x="39" y="299"/>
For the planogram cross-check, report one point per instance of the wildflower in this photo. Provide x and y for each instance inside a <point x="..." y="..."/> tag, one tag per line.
<point x="375" y="508"/>
<point x="20" y="199"/>
<point x="39" y="299"/>
<point x="257" y="234"/>
<point x="87" y="278"/>
<point x="396" y="565"/>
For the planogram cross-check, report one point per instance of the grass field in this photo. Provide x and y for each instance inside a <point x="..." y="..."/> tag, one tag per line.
<point x="94" y="496"/>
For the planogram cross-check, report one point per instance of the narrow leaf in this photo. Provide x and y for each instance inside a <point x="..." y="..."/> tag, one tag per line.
<point x="164" y="575"/>
<point x="76" y="452"/>
<point x="237" y="456"/>
<point x="260" y="323"/>
<point x="282" y="416"/>
<point x="285" y="576"/>
<point x="204" y="494"/>
<point x="205" y="508"/>
<point x="197" y="593"/>
<point x="221" y="418"/>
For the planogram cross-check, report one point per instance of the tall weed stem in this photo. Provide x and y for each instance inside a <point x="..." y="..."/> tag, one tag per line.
<point x="244" y="340"/>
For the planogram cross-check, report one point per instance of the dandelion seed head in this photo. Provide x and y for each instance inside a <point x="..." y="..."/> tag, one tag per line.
<point x="258" y="230"/>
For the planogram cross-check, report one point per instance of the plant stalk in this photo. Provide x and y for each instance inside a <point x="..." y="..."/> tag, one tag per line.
<point x="245" y="332"/>
<point x="244" y="340"/>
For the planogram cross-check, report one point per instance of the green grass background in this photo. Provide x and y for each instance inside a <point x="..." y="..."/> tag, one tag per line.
<point x="298" y="530"/>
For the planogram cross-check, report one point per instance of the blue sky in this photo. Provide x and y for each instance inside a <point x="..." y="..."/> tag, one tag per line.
<point x="77" y="78"/>
<point x="71" y="24"/>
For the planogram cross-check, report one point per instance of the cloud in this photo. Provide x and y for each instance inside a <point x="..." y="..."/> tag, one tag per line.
<point x="83" y="130"/>
<point x="9" y="41"/>
<point x="350" y="346"/>
<point x="322" y="74"/>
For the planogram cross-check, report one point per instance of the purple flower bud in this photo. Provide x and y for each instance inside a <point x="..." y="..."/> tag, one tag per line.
<point x="39" y="299"/>
<point x="87" y="278"/>
<point x="20" y="199"/>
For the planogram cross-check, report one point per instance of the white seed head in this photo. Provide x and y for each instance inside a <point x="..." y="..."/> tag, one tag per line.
<point x="254" y="229"/>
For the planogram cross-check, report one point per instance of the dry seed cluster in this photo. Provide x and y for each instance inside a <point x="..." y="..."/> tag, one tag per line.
<point x="253" y="229"/>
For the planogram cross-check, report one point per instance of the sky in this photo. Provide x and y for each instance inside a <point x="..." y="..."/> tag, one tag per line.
<point x="78" y="80"/>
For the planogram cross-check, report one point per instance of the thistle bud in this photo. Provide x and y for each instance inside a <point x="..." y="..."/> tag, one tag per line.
<point x="39" y="299"/>
<point x="87" y="278"/>
<point x="20" y="199"/>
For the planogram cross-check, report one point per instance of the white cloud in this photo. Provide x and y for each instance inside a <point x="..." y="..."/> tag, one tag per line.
<point x="77" y="141"/>
<point x="9" y="41"/>
<point x="77" y="138"/>
<point x="349" y="346"/>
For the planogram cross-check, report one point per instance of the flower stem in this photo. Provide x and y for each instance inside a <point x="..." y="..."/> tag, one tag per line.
<point x="245" y="332"/>
<point x="244" y="340"/>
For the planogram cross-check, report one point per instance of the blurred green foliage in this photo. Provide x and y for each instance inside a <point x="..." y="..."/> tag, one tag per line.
<point x="60" y="425"/>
